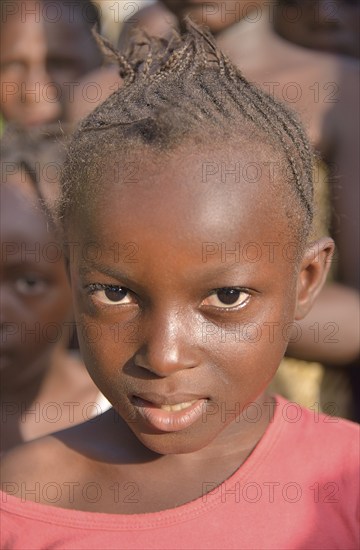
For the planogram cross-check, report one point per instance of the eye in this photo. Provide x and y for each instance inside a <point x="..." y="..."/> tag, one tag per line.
<point x="111" y="294"/>
<point x="227" y="298"/>
<point x="31" y="285"/>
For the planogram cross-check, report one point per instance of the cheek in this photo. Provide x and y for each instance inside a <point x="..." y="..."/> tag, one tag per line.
<point x="105" y="348"/>
<point x="10" y="97"/>
<point x="105" y="356"/>
<point x="251" y="353"/>
<point x="39" y="324"/>
<point x="248" y="354"/>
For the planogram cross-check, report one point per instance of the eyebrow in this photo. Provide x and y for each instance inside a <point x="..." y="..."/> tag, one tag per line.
<point x="13" y="264"/>
<point x="92" y="266"/>
<point x="104" y="270"/>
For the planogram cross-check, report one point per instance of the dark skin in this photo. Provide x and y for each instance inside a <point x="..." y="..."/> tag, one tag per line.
<point x="216" y="15"/>
<point x="328" y="26"/>
<point x="36" y="323"/>
<point x="173" y="296"/>
<point x="33" y="289"/>
<point x="244" y="31"/>
<point x="62" y="51"/>
<point x="331" y="26"/>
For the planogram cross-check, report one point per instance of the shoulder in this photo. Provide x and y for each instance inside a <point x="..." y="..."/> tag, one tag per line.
<point x="64" y="457"/>
<point x="317" y="82"/>
<point x="312" y="418"/>
<point x="325" y="65"/>
<point x="314" y="448"/>
<point x="323" y="436"/>
<point x="33" y="463"/>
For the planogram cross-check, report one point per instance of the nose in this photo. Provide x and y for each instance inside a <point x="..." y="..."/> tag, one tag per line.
<point x="169" y="344"/>
<point x="41" y="95"/>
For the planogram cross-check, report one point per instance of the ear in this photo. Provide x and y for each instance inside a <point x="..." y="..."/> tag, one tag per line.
<point x="312" y="275"/>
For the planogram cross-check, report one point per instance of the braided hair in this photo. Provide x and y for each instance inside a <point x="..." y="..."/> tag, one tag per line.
<point x="177" y="90"/>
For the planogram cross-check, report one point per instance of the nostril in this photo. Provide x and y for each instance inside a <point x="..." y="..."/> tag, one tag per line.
<point x="140" y="361"/>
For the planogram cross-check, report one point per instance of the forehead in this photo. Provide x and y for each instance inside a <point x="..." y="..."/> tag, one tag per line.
<point x="17" y="34"/>
<point x="189" y="196"/>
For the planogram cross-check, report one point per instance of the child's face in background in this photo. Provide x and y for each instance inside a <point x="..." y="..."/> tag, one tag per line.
<point x="35" y="294"/>
<point x="184" y="287"/>
<point x="215" y="15"/>
<point x="321" y="24"/>
<point x="42" y="56"/>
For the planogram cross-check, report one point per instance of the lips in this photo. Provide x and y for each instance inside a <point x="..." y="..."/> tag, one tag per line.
<point x="170" y="414"/>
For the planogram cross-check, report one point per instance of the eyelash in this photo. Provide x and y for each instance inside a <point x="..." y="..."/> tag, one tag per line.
<point x="96" y="287"/>
<point x="93" y="287"/>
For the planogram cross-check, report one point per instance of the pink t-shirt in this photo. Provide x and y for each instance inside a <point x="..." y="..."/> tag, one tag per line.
<point x="299" y="489"/>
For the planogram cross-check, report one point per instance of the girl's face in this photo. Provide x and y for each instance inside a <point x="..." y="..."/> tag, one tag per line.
<point x="184" y="285"/>
<point x="35" y="292"/>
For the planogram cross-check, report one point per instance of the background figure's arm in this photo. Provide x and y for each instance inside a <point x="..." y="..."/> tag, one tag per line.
<point x="342" y="124"/>
<point x="330" y="333"/>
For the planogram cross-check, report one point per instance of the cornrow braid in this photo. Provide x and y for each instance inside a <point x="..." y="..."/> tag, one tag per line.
<point x="177" y="90"/>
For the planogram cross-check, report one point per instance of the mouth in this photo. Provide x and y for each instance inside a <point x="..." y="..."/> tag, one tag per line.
<point x="178" y="406"/>
<point x="169" y="415"/>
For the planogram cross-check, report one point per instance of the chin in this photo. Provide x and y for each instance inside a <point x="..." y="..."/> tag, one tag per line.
<point x="172" y="443"/>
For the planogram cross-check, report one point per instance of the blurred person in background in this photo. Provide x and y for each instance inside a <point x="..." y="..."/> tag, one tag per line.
<point x="46" y="47"/>
<point x="44" y="386"/>
<point x="118" y="20"/>
<point x="331" y="26"/>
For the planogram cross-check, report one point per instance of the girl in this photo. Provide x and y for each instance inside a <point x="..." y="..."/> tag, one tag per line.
<point x="193" y="192"/>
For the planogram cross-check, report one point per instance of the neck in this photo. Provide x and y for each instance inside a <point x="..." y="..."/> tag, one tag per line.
<point x="250" y="33"/>
<point x="240" y="437"/>
<point x="234" y="445"/>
